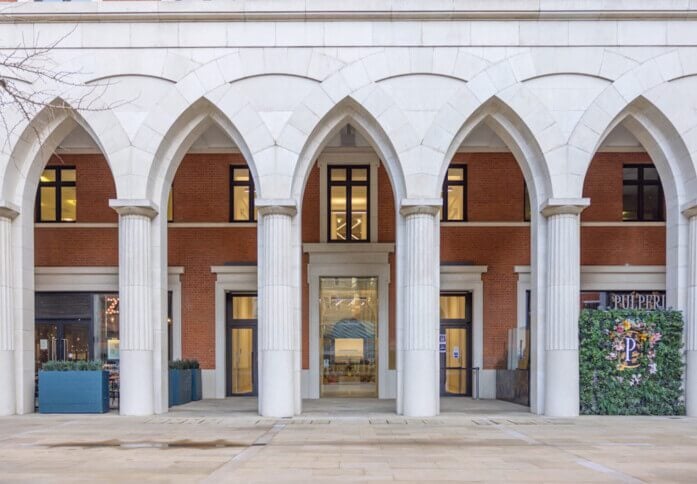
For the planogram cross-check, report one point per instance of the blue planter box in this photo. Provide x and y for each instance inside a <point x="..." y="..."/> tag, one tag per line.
<point x="196" y="385"/>
<point x="73" y="391"/>
<point x="179" y="387"/>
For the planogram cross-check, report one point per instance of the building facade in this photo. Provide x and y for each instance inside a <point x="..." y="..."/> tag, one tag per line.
<point x="390" y="200"/>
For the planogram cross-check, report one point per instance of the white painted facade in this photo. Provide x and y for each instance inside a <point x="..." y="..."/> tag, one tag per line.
<point x="551" y="81"/>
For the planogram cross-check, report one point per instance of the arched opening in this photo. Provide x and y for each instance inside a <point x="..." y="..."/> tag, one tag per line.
<point x="492" y="277"/>
<point x="65" y="258"/>
<point x="207" y="231"/>
<point x="348" y="228"/>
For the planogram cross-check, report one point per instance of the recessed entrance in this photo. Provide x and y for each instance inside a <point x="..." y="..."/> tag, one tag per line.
<point x="241" y="343"/>
<point x="455" y="344"/>
<point x="348" y="336"/>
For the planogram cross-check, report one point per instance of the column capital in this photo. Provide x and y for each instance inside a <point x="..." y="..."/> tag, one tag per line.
<point x="412" y="206"/>
<point x="689" y="210"/>
<point x="270" y="206"/>
<point x="8" y="210"/>
<point x="134" y="207"/>
<point x="559" y="206"/>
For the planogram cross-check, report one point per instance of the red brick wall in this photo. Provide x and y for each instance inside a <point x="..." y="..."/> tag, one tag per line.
<point x="495" y="193"/>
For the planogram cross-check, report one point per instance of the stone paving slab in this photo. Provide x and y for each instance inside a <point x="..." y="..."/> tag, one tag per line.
<point x="204" y="443"/>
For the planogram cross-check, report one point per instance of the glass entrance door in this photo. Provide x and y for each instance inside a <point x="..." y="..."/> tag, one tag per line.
<point x="348" y="336"/>
<point x="455" y="345"/>
<point x="241" y="342"/>
<point x="62" y="340"/>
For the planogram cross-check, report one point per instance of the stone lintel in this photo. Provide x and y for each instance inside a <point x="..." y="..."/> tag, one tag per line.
<point x="134" y="207"/>
<point x="558" y="206"/>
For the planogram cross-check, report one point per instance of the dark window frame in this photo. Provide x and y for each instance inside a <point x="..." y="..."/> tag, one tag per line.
<point x="527" y="206"/>
<point x="242" y="183"/>
<point x="349" y="183"/>
<point x="448" y="183"/>
<point x="58" y="184"/>
<point x="640" y="183"/>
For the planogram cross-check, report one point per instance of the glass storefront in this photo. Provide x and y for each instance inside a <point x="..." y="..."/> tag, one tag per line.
<point x="349" y="336"/>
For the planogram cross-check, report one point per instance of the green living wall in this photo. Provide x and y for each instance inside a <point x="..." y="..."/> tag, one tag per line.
<point x="621" y="377"/>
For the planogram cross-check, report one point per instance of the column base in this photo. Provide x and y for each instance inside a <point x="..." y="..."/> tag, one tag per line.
<point x="277" y="382"/>
<point x="561" y="383"/>
<point x="420" y="397"/>
<point x="136" y="380"/>
<point x="8" y="403"/>
<point x="691" y="383"/>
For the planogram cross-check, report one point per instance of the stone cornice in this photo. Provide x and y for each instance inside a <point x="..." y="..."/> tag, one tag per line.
<point x="690" y="209"/>
<point x="8" y="210"/>
<point x="276" y="207"/>
<point x="134" y="207"/>
<point x="558" y="206"/>
<point x="428" y="206"/>
<point x="302" y="10"/>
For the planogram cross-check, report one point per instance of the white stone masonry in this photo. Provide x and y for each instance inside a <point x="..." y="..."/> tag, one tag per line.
<point x="563" y="287"/>
<point x="277" y="323"/>
<point x="421" y="311"/>
<point x="691" y="315"/>
<point x="7" y="328"/>
<point x="135" y="307"/>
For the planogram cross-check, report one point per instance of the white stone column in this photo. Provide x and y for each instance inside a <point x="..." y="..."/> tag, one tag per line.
<point x="8" y="404"/>
<point x="276" y="310"/>
<point x="563" y="306"/>
<point x="691" y="314"/>
<point x="421" y="314"/>
<point x="136" y="329"/>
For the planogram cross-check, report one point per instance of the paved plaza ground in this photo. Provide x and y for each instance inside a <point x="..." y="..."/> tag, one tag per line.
<point x="347" y="440"/>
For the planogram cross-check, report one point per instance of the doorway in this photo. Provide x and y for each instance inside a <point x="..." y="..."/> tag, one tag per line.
<point x="348" y="336"/>
<point x="241" y="345"/>
<point x="62" y="340"/>
<point x="455" y="344"/>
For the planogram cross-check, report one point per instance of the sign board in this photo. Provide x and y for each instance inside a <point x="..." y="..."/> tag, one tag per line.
<point x="442" y="344"/>
<point x="43" y="344"/>
<point x="113" y="349"/>
<point x="456" y="352"/>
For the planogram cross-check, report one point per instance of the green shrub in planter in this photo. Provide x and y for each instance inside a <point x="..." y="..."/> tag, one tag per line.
<point x="179" y="382"/>
<point x="73" y="387"/>
<point x="638" y="377"/>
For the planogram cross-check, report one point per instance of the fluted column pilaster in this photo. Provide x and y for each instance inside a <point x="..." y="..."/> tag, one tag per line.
<point x="136" y="330"/>
<point x="691" y="314"/>
<point x="421" y="311"/>
<point x="563" y="289"/>
<point x="8" y="403"/>
<point x="277" y="318"/>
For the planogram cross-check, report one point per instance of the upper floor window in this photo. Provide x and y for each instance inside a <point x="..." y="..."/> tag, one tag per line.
<point x="527" y="211"/>
<point x="242" y="195"/>
<point x="56" y="199"/>
<point x="170" y="206"/>
<point x="642" y="194"/>
<point x="455" y="194"/>
<point x="349" y="196"/>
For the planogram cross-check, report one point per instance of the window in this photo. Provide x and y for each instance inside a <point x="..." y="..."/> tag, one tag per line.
<point x="170" y="206"/>
<point x="642" y="194"/>
<point x="242" y="195"/>
<point x="527" y="213"/>
<point x="455" y="195"/>
<point x="56" y="199"/>
<point x="349" y="203"/>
